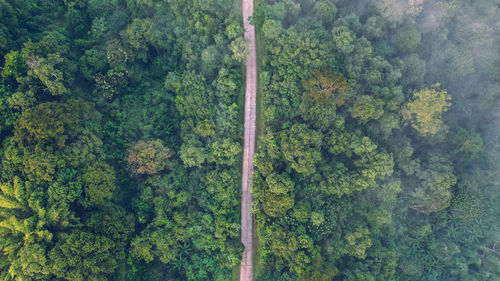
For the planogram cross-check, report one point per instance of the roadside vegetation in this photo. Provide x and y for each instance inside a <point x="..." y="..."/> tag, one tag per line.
<point x="121" y="140"/>
<point x="376" y="160"/>
<point x="121" y="137"/>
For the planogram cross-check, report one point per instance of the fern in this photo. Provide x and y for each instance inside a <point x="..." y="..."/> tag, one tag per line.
<point x="8" y="202"/>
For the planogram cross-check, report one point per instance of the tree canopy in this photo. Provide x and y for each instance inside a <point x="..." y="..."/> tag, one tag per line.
<point x="121" y="139"/>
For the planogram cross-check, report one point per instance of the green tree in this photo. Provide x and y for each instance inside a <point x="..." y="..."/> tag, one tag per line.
<point x="53" y="180"/>
<point x="13" y="65"/>
<point x="366" y="108"/>
<point x="206" y="128"/>
<point x="374" y="28"/>
<point x="271" y="29"/>
<point x="320" y="116"/>
<point x="343" y="39"/>
<point x="358" y="242"/>
<point x="209" y="60"/>
<point x="468" y="145"/>
<point x="300" y="146"/>
<point x="31" y="264"/>
<point x="194" y="99"/>
<point x="240" y="49"/>
<point x="82" y="256"/>
<point x="225" y="152"/>
<point x="193" y="154"/>
<point x="44" y="70"/>
<point x="138" y="35"/>
<point x="98" y="183"/>
<point x="92" y="62"/>
<point x="408" y="39"/>
<point x="53" y="123"/>
<point x="325" y="11"/>
<point x="433" y="184"/>
<point x="413" y="71"/>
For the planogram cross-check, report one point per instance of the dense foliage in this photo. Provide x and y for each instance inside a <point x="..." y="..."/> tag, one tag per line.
<point x="370" y="164"/>
<point x="120" y="124"/>
<point x="121" y="140"/>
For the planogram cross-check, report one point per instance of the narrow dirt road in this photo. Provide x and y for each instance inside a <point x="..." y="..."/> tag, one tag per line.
<point x="246" y="268"/>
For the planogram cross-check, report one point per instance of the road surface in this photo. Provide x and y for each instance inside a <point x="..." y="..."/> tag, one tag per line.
<point x="246" y="267"/>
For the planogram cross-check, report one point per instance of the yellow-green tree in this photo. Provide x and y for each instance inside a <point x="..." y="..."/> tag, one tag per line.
<point x="424" y="112"/>
<point x="278" y="197"/>
<point x="358" y="242"/>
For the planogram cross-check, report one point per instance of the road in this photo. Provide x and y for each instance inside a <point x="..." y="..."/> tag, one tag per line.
<point x="246" y="267"/>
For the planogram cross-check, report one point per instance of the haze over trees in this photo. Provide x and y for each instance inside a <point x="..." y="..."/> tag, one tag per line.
<point x="374" y="113"/>
<point x="121" y="140"/>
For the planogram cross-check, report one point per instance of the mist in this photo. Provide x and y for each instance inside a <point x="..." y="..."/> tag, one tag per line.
<point x="423" y="87"/>
<point x="377" y="153"/>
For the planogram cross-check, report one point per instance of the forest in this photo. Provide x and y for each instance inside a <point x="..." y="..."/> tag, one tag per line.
<point x="121" y="138"/>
